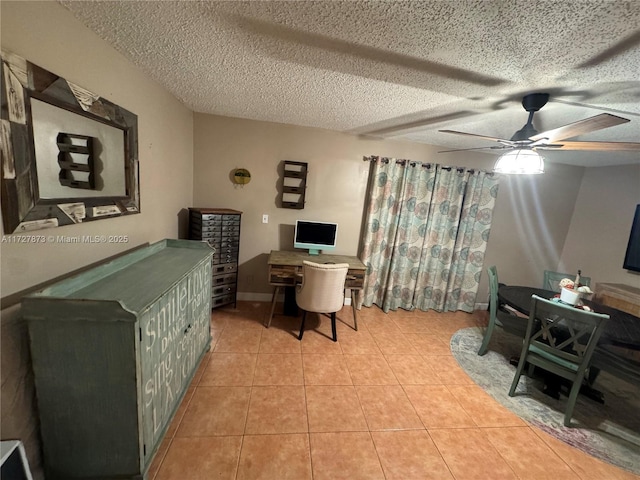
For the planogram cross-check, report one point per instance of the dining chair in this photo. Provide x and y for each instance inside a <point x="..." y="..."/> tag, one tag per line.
<point x="560" y="339"/>
<point x="616" y="363"/>
<point x="509" y="322"/>
<point x="552" y="280"/>
<point x="321" y="291"/>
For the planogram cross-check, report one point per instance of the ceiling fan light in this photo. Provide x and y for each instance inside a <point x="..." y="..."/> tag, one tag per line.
<point x="520" y="161"/>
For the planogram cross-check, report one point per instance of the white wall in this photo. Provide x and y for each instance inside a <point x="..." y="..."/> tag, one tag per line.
<point x="46" y="34"/>
<point x="601" y="223"/>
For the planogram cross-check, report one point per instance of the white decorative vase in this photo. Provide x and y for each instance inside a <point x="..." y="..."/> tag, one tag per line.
<point x="569" y="296"/>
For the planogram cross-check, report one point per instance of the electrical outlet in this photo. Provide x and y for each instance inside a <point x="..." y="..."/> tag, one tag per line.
<point x="265" y="218"/>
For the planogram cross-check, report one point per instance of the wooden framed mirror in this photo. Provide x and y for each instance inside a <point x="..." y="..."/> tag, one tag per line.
<point x="68" y="155"/>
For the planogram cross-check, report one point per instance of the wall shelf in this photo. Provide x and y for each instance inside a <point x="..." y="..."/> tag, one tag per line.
<point x="294" y="184"/>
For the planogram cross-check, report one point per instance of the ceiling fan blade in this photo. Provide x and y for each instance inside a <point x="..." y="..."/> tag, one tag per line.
<point x="475" y="148"/>
<point x="591" y="124"/>
<point x="493" y="139"/>
<point x="601" y="146"/>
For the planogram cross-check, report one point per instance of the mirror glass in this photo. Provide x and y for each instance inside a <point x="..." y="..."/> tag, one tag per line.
<point x="68" y="155"/>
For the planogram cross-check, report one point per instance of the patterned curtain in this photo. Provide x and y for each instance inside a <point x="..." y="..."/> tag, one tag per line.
<point x="426" y="232"/>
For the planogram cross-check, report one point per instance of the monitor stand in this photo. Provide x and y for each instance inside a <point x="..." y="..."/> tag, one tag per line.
<point x="314" y="251"/>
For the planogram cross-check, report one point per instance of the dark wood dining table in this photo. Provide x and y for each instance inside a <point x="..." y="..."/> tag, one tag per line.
<point x="622" y="329"/>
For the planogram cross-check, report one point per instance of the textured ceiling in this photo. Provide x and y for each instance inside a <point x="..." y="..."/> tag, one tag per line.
<point x="392" y="69"/>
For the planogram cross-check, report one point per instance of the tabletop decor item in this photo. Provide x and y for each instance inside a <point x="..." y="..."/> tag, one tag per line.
<point x="572" y="290"/>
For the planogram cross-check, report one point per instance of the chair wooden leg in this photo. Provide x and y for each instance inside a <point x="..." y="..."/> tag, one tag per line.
<point x="304" y="316"/>
<point x="487" y="337"/>
<point x="573" y="397"/>
<point x="273" y="305"/>
<point x="354" y="305"/>
<point x="333" y="326"/>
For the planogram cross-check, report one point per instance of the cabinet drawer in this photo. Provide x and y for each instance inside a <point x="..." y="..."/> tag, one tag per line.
<point x="225" y="258"/>
<point x="231" y="219"/>
<point x="224" y="279"/>
<point x="223" y="290"/>
<point x="223" y="300"/>
<point x="355" y="279"/>
<point x="225" y="268"/>
<point x="284" y="275"/>
<point x="230" y="229"/>
<point x="211" y="217"/>
<point x="204" y="228"/>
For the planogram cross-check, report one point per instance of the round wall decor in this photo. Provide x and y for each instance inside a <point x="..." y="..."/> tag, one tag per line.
<point x="241" y="176"/>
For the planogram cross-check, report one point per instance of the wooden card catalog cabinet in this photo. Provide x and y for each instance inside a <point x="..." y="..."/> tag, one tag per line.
<point x="114" y="350"/>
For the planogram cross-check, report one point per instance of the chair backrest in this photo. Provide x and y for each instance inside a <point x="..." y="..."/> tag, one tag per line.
<point x="322" y="288"/>
<point x="493" y="290"/>
<point x="563" y="334"/>
<point x="552" y="280"/>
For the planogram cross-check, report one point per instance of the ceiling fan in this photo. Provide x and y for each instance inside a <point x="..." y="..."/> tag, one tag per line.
<point x="528" y="138"/>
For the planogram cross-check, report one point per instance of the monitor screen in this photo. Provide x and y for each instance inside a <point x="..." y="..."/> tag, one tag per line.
<point x="632" y="256"/>
<point x="315" y="236"/>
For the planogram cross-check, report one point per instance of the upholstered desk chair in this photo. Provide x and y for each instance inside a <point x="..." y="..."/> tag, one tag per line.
<point x="321" y="291"/>
<point x="560" y="339"/>
<point x="552" y="280"/>
<point x="510" y="323"/>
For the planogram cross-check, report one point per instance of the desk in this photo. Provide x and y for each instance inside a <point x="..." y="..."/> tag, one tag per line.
<point x="622" y="329"/>
<point x="285" y="270"/>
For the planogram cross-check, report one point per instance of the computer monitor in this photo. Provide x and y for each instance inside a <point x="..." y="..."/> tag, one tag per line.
<point x="315" y="236"/>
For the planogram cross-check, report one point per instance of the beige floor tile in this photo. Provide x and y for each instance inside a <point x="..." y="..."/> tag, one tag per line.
<point x="469" y="455"/>
<point x="334" y="409"/>
<point x="370" y="370"/>
<point x="412" y="370"/>
<point x="387" y="408"/>
<point x="239" y="341"/>
<point x="229" y="369"/>
<point x="319" y="342"/>
<point x="275" y="340"/>
<point x="527" y="455"/>
<point x="201" y="458"/>
<point x="410" y="455"/>
<point x="483" y="409"/>
<point x="394" y="343"/>
<point x="278" y="369"/>
<point x="201" y="368"/>
<point x="361" y="344"/>
<point x="381" y="324"/>
<point x="325" y="370"/>
<point x="429" y="344"/>
<point x="437" y="407"/>
<point x="448" y="370"/>
<point x="270" y="457"/>
<point x="215" y="411"/>
<point x="414" y="324"/>
<point x="344" y="455"/>
<point x="277" y="409"/>
<point x="240" y="320"/>
<point x="585" y="466"/>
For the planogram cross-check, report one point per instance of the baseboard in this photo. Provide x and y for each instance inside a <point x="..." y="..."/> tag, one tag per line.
<point x="266" y="297"/>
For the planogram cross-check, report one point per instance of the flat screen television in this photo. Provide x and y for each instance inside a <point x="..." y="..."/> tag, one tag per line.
<point x="315" y="236"/>
<point x="632" y="257"/>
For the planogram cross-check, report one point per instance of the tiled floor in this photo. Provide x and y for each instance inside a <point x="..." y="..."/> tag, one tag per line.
<point x="386" y="402"/>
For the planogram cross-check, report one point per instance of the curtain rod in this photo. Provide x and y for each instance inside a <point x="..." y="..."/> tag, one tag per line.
<point x="448" y="168"/>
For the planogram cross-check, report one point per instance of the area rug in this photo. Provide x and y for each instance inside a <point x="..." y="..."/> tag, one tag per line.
<point x="610" y="432"/>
